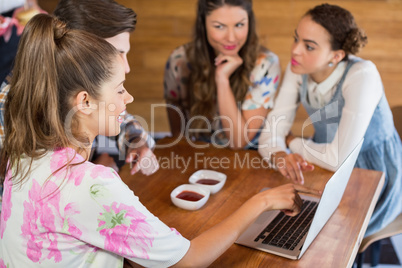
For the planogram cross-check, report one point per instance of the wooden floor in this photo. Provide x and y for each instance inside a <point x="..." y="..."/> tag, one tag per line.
<point x="165" y="24"/>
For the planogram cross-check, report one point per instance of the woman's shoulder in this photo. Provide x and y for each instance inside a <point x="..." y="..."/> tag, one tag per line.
<point x="267" y="61"/>
<point x="99" y="173"/>
<point x="267" y="55"/>
<point x="362" y="79"/>
<point x="362" y="65"/>
<point x="179" y="53"/>
<point x="77" y="167"/>
<point x="178" y="62"/>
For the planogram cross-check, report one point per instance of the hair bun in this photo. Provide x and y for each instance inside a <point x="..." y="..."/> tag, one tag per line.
<point x="60" y="29"/>
<point x="355" y="40"/>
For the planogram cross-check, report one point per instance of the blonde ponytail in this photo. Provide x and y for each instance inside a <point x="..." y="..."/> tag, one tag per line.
<point x="52" y="65"/>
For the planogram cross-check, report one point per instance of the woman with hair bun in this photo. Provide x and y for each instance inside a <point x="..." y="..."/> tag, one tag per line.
<point x="345" y="100"/>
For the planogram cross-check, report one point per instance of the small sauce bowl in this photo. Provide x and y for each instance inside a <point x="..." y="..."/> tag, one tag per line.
<point x="209" y="179"/>
<point x="189" y="196"/>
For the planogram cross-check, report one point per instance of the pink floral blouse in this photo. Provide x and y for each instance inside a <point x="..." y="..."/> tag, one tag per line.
<point x="84" y="216"/>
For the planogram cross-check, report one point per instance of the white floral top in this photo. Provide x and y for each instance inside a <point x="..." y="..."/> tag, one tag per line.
<point x="81" y="217"/>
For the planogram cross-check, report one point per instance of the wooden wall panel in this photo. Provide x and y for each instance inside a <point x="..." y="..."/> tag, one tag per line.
<point x="165" y="24"/>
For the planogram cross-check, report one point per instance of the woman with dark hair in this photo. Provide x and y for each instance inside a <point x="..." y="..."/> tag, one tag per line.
<point x="221" y="84"/>
<point x="345" y="99"/>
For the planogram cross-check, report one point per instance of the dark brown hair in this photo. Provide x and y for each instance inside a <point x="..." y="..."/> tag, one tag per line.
<point x="341" y="25"/>
<point x="53" y="64"/>
<point x="201" y="84"/>
<point x="105" y="18"/>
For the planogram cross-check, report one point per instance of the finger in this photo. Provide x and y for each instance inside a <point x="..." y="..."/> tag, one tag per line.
<point x="135" y="168"/>
<point x="220" y="59"/>
<point x="148" y="170"/>
<point x="291" y="172"/>
<point x="303" y="189"/>
<point x="149" y="163"/>
<point x="297" y="205"/>
<point x="220" y="62"/>
<point x="289" y="212"/>
<point x="307" y="167"/>
<point x="304" y="165"/>
<point x="132" y="157"/>
<point x="297" y="173"/>
<point x="284" y="172"/>
<point x="129" y="158"/>
<point x="300" y="175"/>
<point x="298" y="201"/>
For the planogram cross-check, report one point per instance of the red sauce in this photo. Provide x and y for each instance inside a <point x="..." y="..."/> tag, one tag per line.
<point x="190" y="196"/>
<point x="207" y="181"/>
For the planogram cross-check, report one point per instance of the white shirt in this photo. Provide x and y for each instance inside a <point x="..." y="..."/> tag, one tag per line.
<point x="362" y="90"/>
<point x="320" y="94"/>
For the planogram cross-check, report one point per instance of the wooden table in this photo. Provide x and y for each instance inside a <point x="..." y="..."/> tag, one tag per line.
<point x="335" y="246"/>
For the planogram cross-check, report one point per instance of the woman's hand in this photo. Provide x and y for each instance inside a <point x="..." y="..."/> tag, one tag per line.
<point x="286" y="198"/>
<point x="143" y="159"/>
<point x="291" y="166"/>
<point x="225" y="66"/>
<point x="209" y="245"/>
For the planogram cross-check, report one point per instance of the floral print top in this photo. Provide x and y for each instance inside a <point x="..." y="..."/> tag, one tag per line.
<point x="265" y="78"/>
<point x="82" y="216"/>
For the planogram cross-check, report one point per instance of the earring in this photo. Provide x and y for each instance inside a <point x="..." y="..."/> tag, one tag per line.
<point x="331" y="64"/>
<point x="86" y="105"/>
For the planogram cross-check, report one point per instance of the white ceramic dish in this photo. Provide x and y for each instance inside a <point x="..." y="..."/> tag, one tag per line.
<point x="208" y="174"/>
<point x="189" y="205"/>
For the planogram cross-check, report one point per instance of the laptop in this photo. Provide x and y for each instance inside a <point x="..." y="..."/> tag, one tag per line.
<point x="289" y="237"/>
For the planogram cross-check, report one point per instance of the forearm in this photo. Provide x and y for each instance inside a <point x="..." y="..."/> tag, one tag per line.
<point x="278" y="158"/>
<point x="277" y="126"/>
<point x="351" y="130"/>
<point x="207" y="247"/>
<point x="273" y="135"/>
<point x="233" y="121"/>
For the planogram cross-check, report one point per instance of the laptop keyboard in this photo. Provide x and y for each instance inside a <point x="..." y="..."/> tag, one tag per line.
<point x="286" y="231"/>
